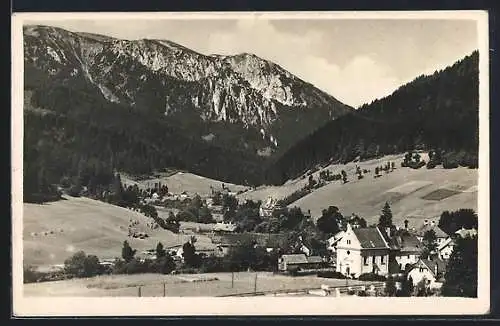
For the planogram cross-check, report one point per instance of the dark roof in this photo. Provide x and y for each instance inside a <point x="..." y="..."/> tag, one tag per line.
<point x="295" y="259"/>
<point x="314" y="259"/>
<point x="405" y="243"/>
<point x="431" y="264"/>
<point x="424" y="228"/>
<point x="261" y="239"/>
<point x="370" y="238"/>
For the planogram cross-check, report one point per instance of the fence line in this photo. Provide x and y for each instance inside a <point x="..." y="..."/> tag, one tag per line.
<point x="327" y="288"/>
<point x="342" y="288"/>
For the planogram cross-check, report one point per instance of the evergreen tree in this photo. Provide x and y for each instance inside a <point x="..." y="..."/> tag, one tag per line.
<point x="430" y="243"/>
<point x="160" y="251"/>
<point x="385" y="220"/>
<point x="127" y="252"/>
<point x="189" y="253"/>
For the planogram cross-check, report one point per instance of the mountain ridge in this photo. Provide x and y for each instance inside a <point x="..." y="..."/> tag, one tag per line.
<point x="433" y="112"/>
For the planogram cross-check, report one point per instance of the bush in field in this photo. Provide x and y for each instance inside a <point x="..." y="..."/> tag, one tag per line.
<point x="30" y="275"/>
<point x="213" y="264"/>
<point x="163" y="265"/>
<point x="81" y="265"/>
<point x="450" y="161"/>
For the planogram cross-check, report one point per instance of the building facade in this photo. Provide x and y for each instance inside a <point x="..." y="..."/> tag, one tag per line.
<point x="362" y="250"/>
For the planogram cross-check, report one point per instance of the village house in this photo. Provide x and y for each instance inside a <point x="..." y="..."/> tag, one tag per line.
<point x="267" y="208"/>
<point x="405" y="250"/>
<point x="431" y="271"/>
<point x="217" y="212"/>
<point x="207" y="250"/>
<point x="441" y="236"/>
<point x="299" y="262"/>
<point x="445" y="249"/>
<point x="230" y="240"/>
<point x="466" y="233"/>
<point x="334" y="240"/>
<point x="362" y="250"/>
<point x="225" y="227"/>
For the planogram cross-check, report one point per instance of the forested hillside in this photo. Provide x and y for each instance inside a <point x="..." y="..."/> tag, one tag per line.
<point x="437" y="112"/>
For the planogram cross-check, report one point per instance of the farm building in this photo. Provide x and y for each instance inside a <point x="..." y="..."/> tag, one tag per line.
<point x="287" y="263"/>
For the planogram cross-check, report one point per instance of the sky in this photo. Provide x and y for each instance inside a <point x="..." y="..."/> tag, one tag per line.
<point x="354" y="60"/>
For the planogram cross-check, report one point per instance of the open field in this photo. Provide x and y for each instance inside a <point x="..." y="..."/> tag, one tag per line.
<point x="411" y="193"/>
<point x="54" y="231"/>
<point x="185" y="181"/>
<point x="213" y="284"/>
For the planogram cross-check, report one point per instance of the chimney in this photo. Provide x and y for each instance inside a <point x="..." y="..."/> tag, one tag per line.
<point x="436" y="270"/>
<point x="388" y="231"/>
<point x="406" y="224"/>
<point x="433" y="223"/>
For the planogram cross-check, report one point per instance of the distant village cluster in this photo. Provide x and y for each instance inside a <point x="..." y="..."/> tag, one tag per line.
<point x="255" y="235"/>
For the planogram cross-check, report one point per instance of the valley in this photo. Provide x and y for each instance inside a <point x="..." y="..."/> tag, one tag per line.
<point x="53" y="231"/>
<point x="150" y="166"/>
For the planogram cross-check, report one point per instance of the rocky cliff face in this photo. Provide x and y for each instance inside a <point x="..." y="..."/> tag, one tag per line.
<point x="223" y="97"/>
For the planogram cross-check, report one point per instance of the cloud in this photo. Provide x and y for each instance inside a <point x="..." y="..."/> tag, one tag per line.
<point x="361" y="80"/>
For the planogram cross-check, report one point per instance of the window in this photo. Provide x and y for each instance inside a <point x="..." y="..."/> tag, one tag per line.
<point x="408" y="256"/>
<point x="373" y="259"/>
<point x="365" y="261"/>
<point x="421" y="270"/>
<point x="348" y="241"/>
<point x="348" y="252"/>
<point x="382" y="260"/>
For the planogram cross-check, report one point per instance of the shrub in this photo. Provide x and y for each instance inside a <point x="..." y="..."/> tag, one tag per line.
<point x="30" y="275"/>
<point x="162" y="265"/>
<point x="75" y="190"/>
<point x="213" y="264"/>
<point x="451" y="161"/>
<point x="371" y="277"/>
<point x="81" y="265"/>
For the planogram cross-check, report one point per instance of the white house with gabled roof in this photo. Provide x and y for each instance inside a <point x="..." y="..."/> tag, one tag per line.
<point x="362" y="250"/>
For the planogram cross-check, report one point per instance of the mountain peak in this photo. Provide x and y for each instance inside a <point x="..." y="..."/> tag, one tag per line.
<point x="163" y="77"/>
